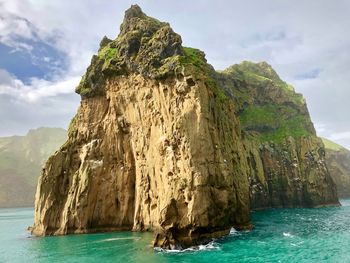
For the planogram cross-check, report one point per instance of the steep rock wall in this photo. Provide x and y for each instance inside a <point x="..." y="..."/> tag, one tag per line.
<point x="292" y="174"/>
<point x="147" y="154"/>
<point x="285" y="156"/>
<point x="144" y="158"/>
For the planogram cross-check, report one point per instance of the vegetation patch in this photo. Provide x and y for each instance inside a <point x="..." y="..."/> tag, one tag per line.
<point x="73" y="126"/>
<point x="332" y="145"/>
<point x="274" y="122"/>
<point x="196" y="58"/>
<point x="262" y="74"/>
<point x="107" y="53"/>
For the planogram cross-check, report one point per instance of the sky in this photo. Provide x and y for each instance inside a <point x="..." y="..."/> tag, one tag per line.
<point x="46" y="46"/>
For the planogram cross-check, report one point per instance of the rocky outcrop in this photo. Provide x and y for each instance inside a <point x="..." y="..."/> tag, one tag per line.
<point x="338" y="163"/>
<point x="147" y="152"/>
<point x="290" y="174"/>
<point x="157" y="145"/>
<point x="286" y="158"/>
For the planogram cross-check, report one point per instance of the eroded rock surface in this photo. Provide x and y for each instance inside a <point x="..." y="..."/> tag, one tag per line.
<point x="157" y="145"/>
<point x="147" y="153"/>
<point x="286" y="158"/>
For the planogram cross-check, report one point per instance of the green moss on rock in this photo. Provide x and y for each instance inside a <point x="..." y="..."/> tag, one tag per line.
<point x="195" y="59"/>
<point x="144" y="46"/>
<point x="267" y="106"/>
<point x="330" y="145"/>
<point x="72" y="128"/>
<point x="263" y="75"/>
<point x="274" y="122"/>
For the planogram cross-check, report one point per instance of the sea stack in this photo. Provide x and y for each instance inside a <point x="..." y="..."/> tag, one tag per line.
<point x="158" y="145"/>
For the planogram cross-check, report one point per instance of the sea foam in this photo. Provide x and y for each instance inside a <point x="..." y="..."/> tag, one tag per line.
<point x="210" y="246"/>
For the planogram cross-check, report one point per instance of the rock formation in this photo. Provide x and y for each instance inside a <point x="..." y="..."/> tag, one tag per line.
<point x="338" y="163"/>
<point x="286" y="158"/>
<point x="157" y="145"/>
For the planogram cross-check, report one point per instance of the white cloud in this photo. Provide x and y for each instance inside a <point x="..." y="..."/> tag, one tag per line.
<point x="37" y="89"/>
<point x="340" y="136"/>
<point x="39" y="103"/>
<point x="11" y="27"/>
<point x="296" y="37"/>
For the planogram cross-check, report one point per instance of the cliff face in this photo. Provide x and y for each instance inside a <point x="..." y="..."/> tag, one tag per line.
<point x="157" y="145"/>
<point x="286" y="158"/>
<point x="151" y="147"/>
<point x="338" y="163"/>
<point x="21" y="159"/>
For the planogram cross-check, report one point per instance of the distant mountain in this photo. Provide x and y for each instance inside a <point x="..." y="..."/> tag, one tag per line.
<point x="21" y="159"/>
<point x="338" y="163"/>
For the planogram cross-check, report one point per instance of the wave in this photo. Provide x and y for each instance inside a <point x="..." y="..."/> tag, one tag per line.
<point x="210" y="246"/>
<point x="118" y="238"/>
<point x="287" y="234"/>
<point x="233" y="232"/>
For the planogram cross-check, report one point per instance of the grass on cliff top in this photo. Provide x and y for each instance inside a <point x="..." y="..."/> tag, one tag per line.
<point x="274" y="122"/>
<point x="196" y="58"/>
<point x="332" y="145"/>
<point x="107" y="53"/>
<point x="262" y="74"/>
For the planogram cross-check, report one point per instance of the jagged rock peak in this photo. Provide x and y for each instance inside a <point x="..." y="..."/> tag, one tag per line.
<point x="134" y="11"/>
<point x="136" y="19"/>
<point x="145" y="46"/>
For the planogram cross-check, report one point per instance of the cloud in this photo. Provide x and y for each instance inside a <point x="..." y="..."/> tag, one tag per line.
<point x="6" y="79"/>
<point x="39" y="103"/>
<point x="340" y="136"/>
<point x="311" y="74"/>
<point x="18" y="116"/>
<point x="37" y="89"/>
<point x="305" y="41"/>
<point x="12" y="27"/>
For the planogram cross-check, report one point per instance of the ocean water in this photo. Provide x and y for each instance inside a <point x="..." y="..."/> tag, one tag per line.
<point x="280" y="235"/>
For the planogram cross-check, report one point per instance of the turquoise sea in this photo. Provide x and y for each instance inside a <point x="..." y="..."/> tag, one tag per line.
<point x="280" y="235"/>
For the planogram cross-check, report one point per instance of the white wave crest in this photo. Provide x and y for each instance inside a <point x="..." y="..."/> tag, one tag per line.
<point x="233" y="232"/>
<point x="287" y="234"/>
<point x="210" y="246"/>
<point x="118" y="238"/>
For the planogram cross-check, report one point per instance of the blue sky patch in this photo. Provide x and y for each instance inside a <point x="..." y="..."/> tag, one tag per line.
<point x="41" y="61"/>
<point x="311" y="74"/>
<point x="258" y="38"/>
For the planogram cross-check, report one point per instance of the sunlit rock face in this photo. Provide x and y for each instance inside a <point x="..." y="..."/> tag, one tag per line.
<point x="157" y="145"/>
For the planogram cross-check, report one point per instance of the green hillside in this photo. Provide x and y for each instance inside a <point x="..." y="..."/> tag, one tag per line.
<point x="338" y="163"/>
<point x="332" y="145"/>
<point x="21" y="159"/>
